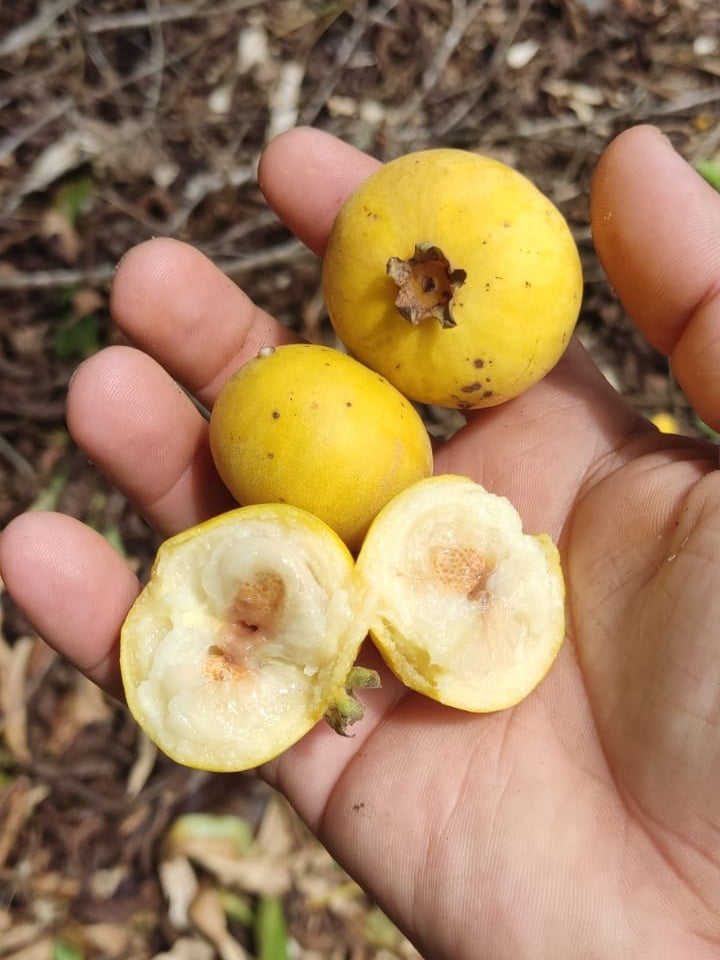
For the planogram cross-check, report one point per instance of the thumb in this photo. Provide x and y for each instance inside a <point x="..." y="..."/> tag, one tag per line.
<point x="656" y="224"/>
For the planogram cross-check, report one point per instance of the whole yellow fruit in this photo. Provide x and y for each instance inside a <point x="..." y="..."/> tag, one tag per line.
<point x="307" y="425"/>
<point x="452" y="275"/>
<point x="243" y="637"/>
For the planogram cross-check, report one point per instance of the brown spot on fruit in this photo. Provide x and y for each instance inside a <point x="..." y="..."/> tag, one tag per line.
<point x="471" y="387"/>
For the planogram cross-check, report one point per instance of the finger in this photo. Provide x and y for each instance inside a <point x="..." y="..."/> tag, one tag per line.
<point x="175" y="304"/>
<point x="172" y="302"/>
<point x="146" y="435"/>
<point x="306" y="175"/>
<point x="73" y="587"/>
<point x="656" y="224"/>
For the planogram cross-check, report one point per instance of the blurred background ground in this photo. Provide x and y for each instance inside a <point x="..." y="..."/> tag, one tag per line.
<point x="126" y="119"/>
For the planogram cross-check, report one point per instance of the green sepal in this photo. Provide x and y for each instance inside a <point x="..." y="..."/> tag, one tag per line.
<point x="346" y="709"/>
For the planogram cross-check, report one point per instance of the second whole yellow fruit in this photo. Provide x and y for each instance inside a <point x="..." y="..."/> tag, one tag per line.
<point x="307" y="425"/>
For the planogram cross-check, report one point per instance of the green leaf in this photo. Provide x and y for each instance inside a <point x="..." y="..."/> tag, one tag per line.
<point x="73" y="199"/>
<point x="62" y="950"/>
<point x="114" y="538"/>
<point x="705" y="430"/>
<point x="48" y="498"/>
<point x="271" y="938"/>
<point x="710" y="170"/>
<point x="380" y="929"/>
<point x="77" y="340"/>
<point x="236" y="908"/>
<point x="233" y="830"/>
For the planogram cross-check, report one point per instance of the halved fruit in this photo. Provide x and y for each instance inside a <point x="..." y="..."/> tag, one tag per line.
<point x="243" y="637"/>
<point x="466" y="608"/>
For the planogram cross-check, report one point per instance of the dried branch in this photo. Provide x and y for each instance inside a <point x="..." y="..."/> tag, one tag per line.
<point x="461" y="110"/>
<point x="157" y="58"/>
<point x="102" y="274"/>
<point x="44" y="24"/>
<point x="34" y="29"/>
<point x="346" y="48"/>
<point x="202" y="185"/>
<point x="16" y="460"/>
<point x="15" y="139"/>
<point x="462" y="16"/>
<point x="546" y="127"/>
<point x="285" y="99"/>
<point x="140" y="19"/>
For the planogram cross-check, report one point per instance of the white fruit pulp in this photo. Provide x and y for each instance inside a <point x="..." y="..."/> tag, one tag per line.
<point x="469" y="605"/>
<point x="214" y="684"/>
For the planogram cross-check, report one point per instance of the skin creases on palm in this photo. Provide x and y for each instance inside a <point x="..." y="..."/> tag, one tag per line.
<point x="643" y="549"/>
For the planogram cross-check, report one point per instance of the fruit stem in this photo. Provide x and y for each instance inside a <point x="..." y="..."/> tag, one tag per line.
<point x="426" y="285"/>
<point x="362" y="678"/>
<point x="346" y="709"/>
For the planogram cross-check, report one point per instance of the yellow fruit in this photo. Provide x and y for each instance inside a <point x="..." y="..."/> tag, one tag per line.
<point x="665" y="421"/>
<point x="243" y="637"/>
<point x="465" y="607"/>
<point x="452" y="275"/>
<point x="308" y="425"/>
<point x="247" y="632"/>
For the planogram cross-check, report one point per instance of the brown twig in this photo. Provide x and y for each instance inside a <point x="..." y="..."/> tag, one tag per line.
<point x="26" y="34"/>
<point x="102" y="274"/>
<point x="681" y="104"/>
<point x="42" y="24"/>
<point x="463" y="15"/>
<point x="461" y="110"/>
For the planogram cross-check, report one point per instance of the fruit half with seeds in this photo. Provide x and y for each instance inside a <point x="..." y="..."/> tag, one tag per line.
<point x="243" y="638"/>
<point x="452" y="275"/>
<point x="307" y="425"/>
<point x="466" y="608"/>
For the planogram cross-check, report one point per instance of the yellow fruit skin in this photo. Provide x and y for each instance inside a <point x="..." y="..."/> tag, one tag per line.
<point x="517" y="308"/>
<point x="310" y="426"/>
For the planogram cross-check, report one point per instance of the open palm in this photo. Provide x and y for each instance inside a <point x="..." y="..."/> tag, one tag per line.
<point x="585" y="822"/>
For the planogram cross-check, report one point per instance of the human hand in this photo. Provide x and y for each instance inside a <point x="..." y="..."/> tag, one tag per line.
<point x="584" y="822"/>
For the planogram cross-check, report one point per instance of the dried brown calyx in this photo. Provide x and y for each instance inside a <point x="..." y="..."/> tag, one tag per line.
<point x="426" y="285"/>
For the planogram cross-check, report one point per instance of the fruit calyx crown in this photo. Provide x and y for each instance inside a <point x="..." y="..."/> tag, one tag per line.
<point x="426" y="285"/>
